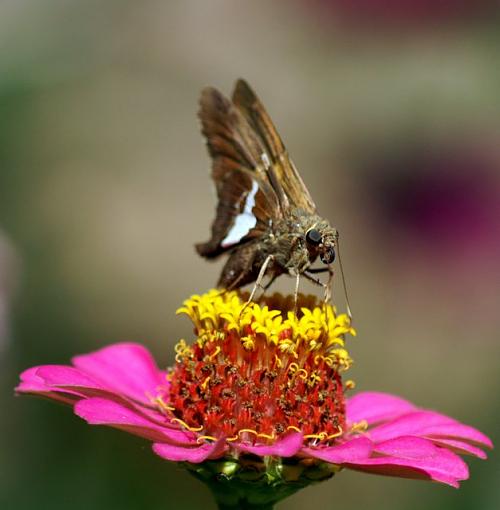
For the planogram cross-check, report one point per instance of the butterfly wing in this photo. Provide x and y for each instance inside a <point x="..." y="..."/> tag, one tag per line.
<point x="282" y="173"/>
<point x="247" y="202"/>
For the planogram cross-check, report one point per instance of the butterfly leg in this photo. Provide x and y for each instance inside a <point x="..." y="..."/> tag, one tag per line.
<point x="296" y="294"/>
<point x="270" y="282"/>
<point x="268" y="285"/>
<point x="258" y="282"/>
<point x="327" y="297"/>
<point x="317" y="281"/>
<point x="313" y="279"/>
<point x="328" y="289"/>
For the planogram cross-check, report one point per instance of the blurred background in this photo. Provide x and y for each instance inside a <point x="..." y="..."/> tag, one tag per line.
<point x="390" y="110"/>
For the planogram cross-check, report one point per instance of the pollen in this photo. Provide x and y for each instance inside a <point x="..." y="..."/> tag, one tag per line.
<point x="258" y="370"/>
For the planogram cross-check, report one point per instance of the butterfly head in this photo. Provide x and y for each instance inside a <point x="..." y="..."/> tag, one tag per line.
<point x="321" y="240"/>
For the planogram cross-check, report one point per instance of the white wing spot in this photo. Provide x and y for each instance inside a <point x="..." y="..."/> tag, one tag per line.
<point x="244" y="222"/>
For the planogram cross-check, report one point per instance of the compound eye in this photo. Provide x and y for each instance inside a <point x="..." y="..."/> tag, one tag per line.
<point x="313" y="237"/>
<point x="328" y="256"/>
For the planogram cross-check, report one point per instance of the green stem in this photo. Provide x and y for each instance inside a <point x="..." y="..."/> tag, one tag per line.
<point x="241" y="497"/>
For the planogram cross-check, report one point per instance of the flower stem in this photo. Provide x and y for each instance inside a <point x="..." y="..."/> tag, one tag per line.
<point x="249" y="484"/>
<point x="245" y="506"/>
<point x="244" y="498"/>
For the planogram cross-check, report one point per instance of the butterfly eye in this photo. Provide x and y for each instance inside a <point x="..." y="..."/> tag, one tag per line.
<point x="313" y="237"/>
<point x="328" y="256"/>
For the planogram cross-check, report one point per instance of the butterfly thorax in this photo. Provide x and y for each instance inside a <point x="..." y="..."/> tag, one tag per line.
<point x="288" y="241"/>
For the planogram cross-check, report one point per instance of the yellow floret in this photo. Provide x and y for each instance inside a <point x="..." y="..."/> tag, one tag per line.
<point x="317" y="327"/>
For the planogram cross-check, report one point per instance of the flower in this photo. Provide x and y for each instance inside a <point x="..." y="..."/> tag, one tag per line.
<point x="259" y="393"/>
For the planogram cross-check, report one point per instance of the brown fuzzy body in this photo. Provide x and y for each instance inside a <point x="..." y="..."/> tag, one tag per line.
<point x="285" y="242"/>
<point x="266" y="219"/>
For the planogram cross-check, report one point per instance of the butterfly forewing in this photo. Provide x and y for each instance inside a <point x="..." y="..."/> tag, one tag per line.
<point x="283" y="174"/>
<point x="247" y="202"/>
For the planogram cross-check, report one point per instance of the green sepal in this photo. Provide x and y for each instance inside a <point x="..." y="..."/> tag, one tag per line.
<point x="253" y="483"/>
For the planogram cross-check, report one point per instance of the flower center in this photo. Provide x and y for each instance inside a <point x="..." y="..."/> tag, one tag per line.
<point x="258" y="371"/>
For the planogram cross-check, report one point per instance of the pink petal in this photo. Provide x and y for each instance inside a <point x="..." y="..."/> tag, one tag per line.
<point x="68" y="384"/>
<point x="402" y="468"/>
<point x="64" y="375"/>
<point x="286" y="447"/>
<point x="413" y="457"/>
<point x="101" y="411"/>
<point x="428" y="424"/>
<point x="355" y="449"/>
<point x="32" y="383"/>
<point x="59" y="397"/>
<point x="409" y="447"/>
<point x="374" y="407"/>
<point x="460" y="447"/>
<point x="462" y="432"/>
<point x="55" y="381"/>
<point x="195" y="455"/>
<point x="125" y="368"/>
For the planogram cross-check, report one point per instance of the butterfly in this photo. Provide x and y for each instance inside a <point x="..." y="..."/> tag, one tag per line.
<point x="266" y="220"/>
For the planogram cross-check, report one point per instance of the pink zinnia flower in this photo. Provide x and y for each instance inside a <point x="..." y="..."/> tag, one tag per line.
<point x="259" y="397"/>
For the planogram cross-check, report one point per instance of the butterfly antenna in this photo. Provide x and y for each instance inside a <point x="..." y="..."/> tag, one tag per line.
<point x="348" y="306"/>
